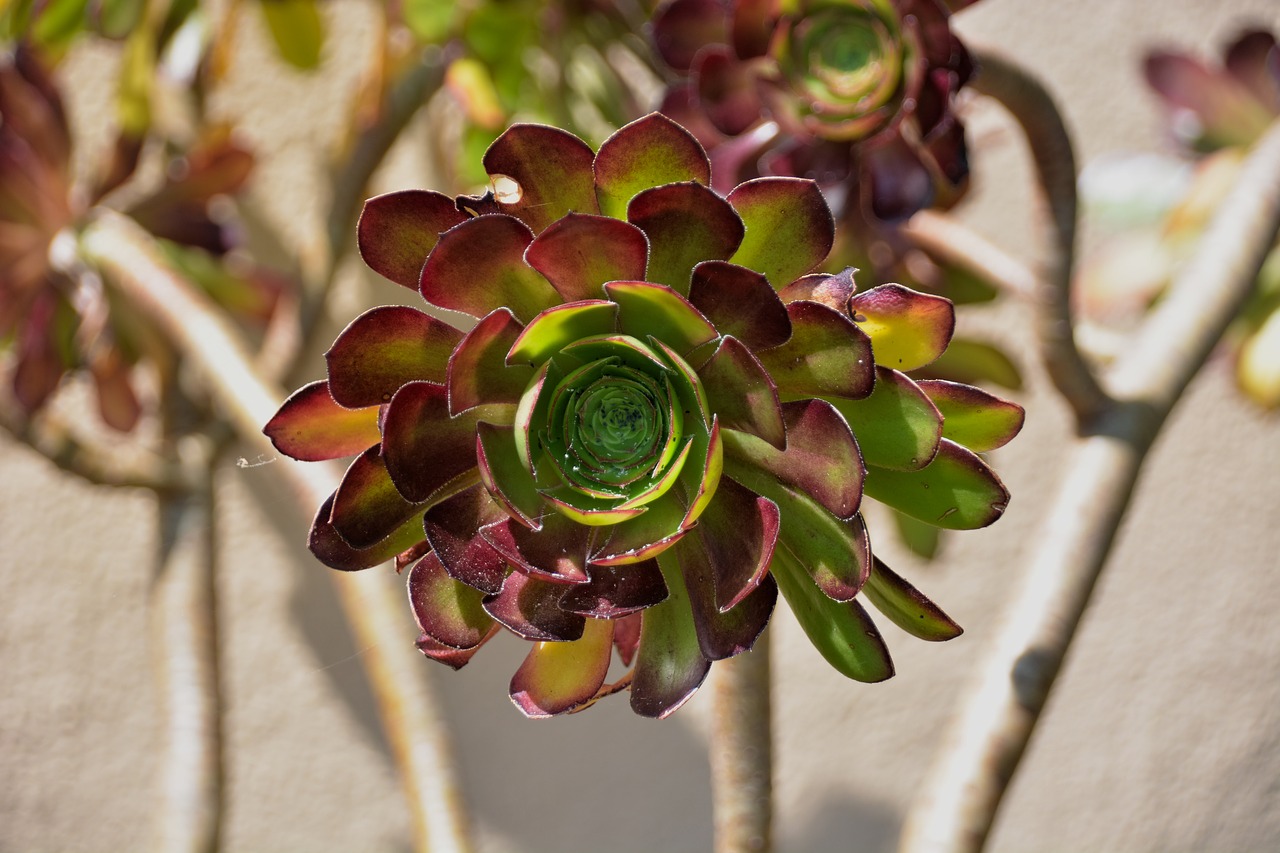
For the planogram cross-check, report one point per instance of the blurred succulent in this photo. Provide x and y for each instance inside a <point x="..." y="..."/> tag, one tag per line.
<point x="852" y="93"/>
<point x="657" y="419"/>
<point x="1216" y="111"/>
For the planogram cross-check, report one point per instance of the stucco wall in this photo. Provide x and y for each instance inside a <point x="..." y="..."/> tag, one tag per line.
<point x="1163" y="735"/>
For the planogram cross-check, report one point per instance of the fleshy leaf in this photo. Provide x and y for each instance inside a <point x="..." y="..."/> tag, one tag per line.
<point x="907" y="607"/>
<point x="447" y="655"/>
<point x="649" y="152"/>
<point x="686" y="224"/>
<point x="721" y="633"/>
<point x="580" y="252"/>
<point x="908" y="329"/>
<point x="654" y="309"/>
<point x="740" y="302"/>
<point x="423" y="446"/>
<point x="920" y="538"/>
<point x="452" y="530"/>
<point x="972" y="417"/>
<point x="897" y="426"/>
<point x="644" y="537"/>
<point x="826" y="356"/>
<point x="298" y="31"/>
<point x="741" y="392"/>
<point x="738" y="532"/>
<point x="488" y="249"/>
<point x="478" y="372"/>
<point x="956" y="491"/>
<point x="789" y="229"/>
<point x="556" y="328"/>
<point x="974" y="361"/>
<point x="332" y="550"/>
<point x="832" y="291"/>
<point x="552" y="168"/>
<point x="311" y="427"/>
<point x="670" y="665"/>
<point x="840" y="630"/>
<point x="555" y="678"/>
<point x="683" y="27"/>
<point x="367" y="508"/>
<point x="727" y="90"/>
<point x="626" y="637"/>
<point x="398" y="230"/>
<point x="383" y="349"/>
<point x="531" y="608"/>
<point x="505" y="476"/>
<point x="616" y="591"/>
<point x="557" y="552"/>
<point x="447" y="611"/>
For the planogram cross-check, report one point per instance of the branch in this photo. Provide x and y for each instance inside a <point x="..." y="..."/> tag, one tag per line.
<point x="742" y="752"/>
<point x="985" y="742"/>
<point x="1050" y="143"/>
<point x="944" y="237"/>
<point x="79" y="455"/>
<point x="409" y="712"/>
<point x="184" y="650"/>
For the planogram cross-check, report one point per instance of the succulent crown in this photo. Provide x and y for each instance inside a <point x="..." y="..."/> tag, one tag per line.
<point x="648" y="431"/>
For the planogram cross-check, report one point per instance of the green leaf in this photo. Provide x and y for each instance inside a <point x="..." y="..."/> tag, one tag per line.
<point x="897" y="426"/>
<point x="649" y="152"/>
<point x="117" y="18"/>
<point x="430" y="20"/>
<point x="970" y="361"/>
<point x="840" y="630"/>
<point x="956" y="491"/>
<point x="789" y="229"/>
<point x="58" y="23"/>
<point x="907" y="607"/>
<point x="972" y="417"/>
<point x="298" y="30"/>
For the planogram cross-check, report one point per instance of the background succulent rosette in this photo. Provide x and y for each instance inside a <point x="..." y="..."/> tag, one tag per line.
<point x="658" y="420"/>
<point x="861" y="93"/>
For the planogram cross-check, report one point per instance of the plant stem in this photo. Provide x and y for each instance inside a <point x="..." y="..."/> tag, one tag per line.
<point x="408" y="710"/>
<point x="184" y="641"/>
<point x="1035" y="111"/>
<point x="742" y="752"/>
<point x="988" y="737"/>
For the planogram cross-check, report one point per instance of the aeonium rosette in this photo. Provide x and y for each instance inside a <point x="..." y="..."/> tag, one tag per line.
<point x="648" y="431"/>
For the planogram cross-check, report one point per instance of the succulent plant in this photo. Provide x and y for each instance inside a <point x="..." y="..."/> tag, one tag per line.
<point x="853" y="92"/>
<point x="655" y="420"/>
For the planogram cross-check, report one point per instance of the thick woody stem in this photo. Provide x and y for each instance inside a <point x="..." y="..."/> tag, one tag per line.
<point x="742" y="752"/>
<point x="409" y="712"/>
<point x="184" y="650"/>
<point x="986" y="740"/>
<point x="1035" y="111"/>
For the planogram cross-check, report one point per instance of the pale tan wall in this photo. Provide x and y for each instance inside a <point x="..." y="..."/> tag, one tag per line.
<point x="1164" y="734"/>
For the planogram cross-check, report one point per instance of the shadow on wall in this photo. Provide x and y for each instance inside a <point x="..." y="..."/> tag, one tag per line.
<point x="843" y="824"/>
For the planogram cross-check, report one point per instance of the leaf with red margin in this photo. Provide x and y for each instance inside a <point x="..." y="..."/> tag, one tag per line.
<point x="311" y="427"/>
<point x="896" y="182"/>
<point x="669" y="665"/>
<point x="833" y="291"/>
<point x="645" y="536"/>
<point x="738" y="532"/>
<point x="505" y="476"/>
<point x="557" y="552"/>
<point x="969" y="361"/>
<point x="423" y="446"/>
<point x="789" y="229"/>
<point x="686" y="224"/>
<point x="741" y="392"/>
<point x="827" y="356"/>
<point x="447" y="611"/>
<point x="453" y="658"/>
<point x="478" y="372"/>
<point x="626" y="637"/>
<point x="555" y="678"/>
<point x="557" y="327"/>
<point x="908" y="329"/>
<point x="972" y="417"/>
<point x="821" y="458"/>
<point x="531" y="608"/>
<point x="907" y="607"/>
<point x="367" y="507"/>
<point x="727" y="90"/>
<point x="956" y="491"/>
<point x="648" y="152"/>
<point x="898" y="426"/>
<point x="740" y="302"/>
<point x="684" y="27"/>
<point x="646" y="309"/>
<point x="721" y="633"/>
<point x="478" y="267"/>
<point x="616" y="591"/>
<point x="332" y="550"/>
<point x="580" y="252"/>
<point x="840" y="630"/>
<point x="384" y="348"/>
<point x="453" y="530"/>
<point x="553" y="169"/>
<point x="398" y="230"/>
